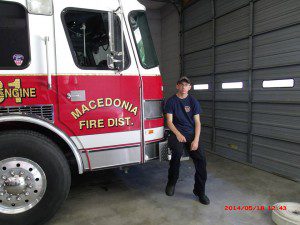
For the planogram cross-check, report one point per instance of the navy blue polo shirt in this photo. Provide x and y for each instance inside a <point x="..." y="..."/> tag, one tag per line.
<point x="183" y="111"/>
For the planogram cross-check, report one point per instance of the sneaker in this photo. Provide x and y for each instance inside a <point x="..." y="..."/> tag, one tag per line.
<point x="170" y="189"/>
<point x="202" y="198"/>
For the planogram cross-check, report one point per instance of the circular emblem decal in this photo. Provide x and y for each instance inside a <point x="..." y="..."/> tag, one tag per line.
<point x="187" y="108"/>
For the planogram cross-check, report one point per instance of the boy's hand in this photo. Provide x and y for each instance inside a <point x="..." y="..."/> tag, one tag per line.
<point x="194" y="145"/>
<point x="181" y="138"/>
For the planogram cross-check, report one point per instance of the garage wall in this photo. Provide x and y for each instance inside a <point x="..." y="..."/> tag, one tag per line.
<point x="164" y="23"/>
<point x="249" y="42"/>
<point x="170" y="44"/>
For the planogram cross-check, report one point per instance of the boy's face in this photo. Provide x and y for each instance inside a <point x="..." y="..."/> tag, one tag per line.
<point x="183" y="87"/>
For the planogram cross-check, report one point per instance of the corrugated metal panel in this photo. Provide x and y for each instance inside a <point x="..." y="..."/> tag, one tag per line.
<point x="233" y="26"/>
<point x="277" y="156"/>
<point x="198" y="38"/>
<point x="206" y="135"/>
<point x="225" y="6"/>
<point x="277" y="73"/>
<point x="283" y="95"/>
<point x="273" y="50"/>
<point x="197" y="14"/>
<point x="232" y="116"/>
<point x="206" y="118"/>
<point x="231" y="145"/>
<point x="278" y="48"/>
<point x="232" y="57"/>
<point x="287" y="95"/>
<point x="274" y="14"/>
<point x="232" y="94"/>
<point x="202" y="94"/>
<point x="278" y="121"/>
<point x="198" y="63"/>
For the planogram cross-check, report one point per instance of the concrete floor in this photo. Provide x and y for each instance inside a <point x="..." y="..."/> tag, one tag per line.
<point x="115" y="198"/>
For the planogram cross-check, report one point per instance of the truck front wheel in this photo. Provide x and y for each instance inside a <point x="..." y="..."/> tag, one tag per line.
<point x="34" y="178"/>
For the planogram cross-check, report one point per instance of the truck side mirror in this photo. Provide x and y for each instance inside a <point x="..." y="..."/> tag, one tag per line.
<point x="116" y="41"/>
<point x="110" y="61"/>
<point x="111" y="31"/>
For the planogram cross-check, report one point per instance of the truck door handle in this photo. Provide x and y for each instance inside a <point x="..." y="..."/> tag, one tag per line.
<point x="76" y="96"/>
<point x="46" y="39"/>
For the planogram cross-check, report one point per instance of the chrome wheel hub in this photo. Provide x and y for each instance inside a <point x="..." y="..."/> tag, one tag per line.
<point x="22" y="185"/>
<point x="14" y="185"/>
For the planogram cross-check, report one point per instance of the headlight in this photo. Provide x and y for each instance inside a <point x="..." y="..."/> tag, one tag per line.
<point x="42" y="7"/>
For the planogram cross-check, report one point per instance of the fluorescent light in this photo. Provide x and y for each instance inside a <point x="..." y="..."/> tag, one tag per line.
<point x="232" y="85"/>
<point x="278" y="83"/>
<point x="201" y="87"/>
<point x="42" y="7"/>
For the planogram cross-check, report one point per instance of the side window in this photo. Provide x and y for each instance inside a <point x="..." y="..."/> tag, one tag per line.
<point x="87" y="33"/>
<point x="14" y="38"/>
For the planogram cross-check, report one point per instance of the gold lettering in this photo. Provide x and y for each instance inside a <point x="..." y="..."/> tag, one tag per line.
<point x="118" y="122"/>
<point x="121" y="122"/>
<point x="92" y="104"/>
<point x="92" y="124"/>
<point x="7" y="93"/>
<point x="134" y="110"/>
<point x="76" y="113"/>
<point x="2" y="97"/>
<point x="32" y="92"/>
<point x="127" y="120"/>
<point x="16" y="84"/>
<point x="108" y="102"/>
<point x="84" y="109"/>
<point x="110" y="122"/>
<point x="100" y="102"/>
<point x="81" y="124"/>
<point x="100" y="123"/>
<point x="125" y="105"/>
<point x="129" y="107"/>
<point x="117" y="102"/>
<point x="15" y="93"/>
<point x="26" y="93"/>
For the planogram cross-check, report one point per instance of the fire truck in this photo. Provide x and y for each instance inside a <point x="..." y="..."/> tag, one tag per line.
<point x="79" y="86"/>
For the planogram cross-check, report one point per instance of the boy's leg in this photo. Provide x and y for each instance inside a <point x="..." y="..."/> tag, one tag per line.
<point x="176" y="150"/>
<point x="199" y="160"/>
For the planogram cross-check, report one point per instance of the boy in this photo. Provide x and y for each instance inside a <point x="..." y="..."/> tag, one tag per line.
<point x="183" y="119"/>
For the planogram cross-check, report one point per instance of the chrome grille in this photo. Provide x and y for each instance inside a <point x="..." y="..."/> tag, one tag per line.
<point x="43" y="111"/>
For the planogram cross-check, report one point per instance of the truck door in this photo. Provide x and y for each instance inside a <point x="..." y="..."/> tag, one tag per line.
<point x="99" y="106"/>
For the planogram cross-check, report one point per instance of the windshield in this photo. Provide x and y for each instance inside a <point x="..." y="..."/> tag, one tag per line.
<point x="143" y="40"/>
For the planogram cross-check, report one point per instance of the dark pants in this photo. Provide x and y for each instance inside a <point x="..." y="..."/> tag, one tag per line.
<point x="197" y="156"/>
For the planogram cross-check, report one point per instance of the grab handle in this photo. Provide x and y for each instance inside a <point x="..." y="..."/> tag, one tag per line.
<point x="47" y="61"/>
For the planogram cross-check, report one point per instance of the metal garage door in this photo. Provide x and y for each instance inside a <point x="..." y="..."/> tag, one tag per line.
<point x="240" y="49"/>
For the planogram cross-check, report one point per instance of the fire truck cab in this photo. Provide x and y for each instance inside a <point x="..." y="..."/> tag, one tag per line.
<point x="79" y="84"/>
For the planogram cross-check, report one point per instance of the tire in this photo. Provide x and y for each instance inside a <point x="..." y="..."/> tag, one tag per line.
<point x="42" y="174"/>
<point x="289" y="216"/>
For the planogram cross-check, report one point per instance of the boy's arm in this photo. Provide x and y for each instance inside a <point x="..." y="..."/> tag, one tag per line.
<point x="172" y="127"/>
<point x="195" y="142"/>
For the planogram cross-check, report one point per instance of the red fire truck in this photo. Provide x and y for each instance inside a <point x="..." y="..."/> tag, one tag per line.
<point x="79" y="84"/>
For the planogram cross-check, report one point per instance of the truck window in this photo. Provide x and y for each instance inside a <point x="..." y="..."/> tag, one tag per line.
<point x="143" y="41"/>
<point x="87" y="33"/>
<point x="14" y="38"/>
